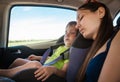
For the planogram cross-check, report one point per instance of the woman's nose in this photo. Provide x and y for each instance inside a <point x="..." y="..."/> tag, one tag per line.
<point x="77" y="26"/>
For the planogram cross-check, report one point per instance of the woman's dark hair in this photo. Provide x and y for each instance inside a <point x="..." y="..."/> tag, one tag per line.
<point x="104" y="33"/>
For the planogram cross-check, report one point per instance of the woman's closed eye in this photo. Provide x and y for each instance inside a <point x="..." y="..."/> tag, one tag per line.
<point x="81" y="18"/>
<point x="72" y="32"/>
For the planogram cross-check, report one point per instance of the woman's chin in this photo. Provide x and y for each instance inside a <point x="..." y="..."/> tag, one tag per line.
<point x="85" y="36"/>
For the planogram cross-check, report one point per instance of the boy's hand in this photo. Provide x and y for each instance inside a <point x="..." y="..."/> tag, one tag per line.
<point x="34" y="57"/>
<point x="44" y="72"/>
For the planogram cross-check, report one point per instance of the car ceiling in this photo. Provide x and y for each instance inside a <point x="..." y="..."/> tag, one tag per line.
<point x="114" y="5"/>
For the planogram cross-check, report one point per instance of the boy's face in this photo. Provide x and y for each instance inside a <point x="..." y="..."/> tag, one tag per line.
<point x="70" y="35"/>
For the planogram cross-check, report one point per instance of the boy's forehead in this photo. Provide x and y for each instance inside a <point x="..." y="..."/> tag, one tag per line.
<point x="70" y="27"/>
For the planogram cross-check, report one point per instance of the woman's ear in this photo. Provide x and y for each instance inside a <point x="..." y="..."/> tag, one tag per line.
<point x="101" y="12"/>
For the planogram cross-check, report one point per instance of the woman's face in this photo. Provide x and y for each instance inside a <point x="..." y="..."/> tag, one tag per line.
<point x="88" y="23"/>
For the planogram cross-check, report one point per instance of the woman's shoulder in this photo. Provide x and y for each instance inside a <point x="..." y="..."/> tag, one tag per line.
<point x="112" y="62"/>
<point x="115" y="45"/>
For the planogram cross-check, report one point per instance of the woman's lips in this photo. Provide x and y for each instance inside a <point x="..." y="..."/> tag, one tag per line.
<point x="81" y="31"/>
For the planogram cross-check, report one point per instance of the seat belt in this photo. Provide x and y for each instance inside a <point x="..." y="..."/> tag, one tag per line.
<point x="63" y="55"/>
<point x="48" y="52"/>
<point x="45" y="55"/>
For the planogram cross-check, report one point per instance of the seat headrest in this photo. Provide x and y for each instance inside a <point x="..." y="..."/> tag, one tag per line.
<point x="118" y="21"/>
<point x="81" y="42"/>
<point x="60" y="40"/>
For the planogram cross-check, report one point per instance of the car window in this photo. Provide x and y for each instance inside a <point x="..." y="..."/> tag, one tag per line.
<point x="116" y="17"/>
<point x="35" y="24"/>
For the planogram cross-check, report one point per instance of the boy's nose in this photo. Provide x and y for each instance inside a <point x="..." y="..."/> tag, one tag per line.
<point x="67" y="34"/>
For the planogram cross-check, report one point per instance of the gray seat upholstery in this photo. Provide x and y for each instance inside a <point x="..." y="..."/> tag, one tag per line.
<point x="78" y="53"/>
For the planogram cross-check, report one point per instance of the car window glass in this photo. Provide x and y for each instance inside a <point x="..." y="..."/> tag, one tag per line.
<point x="115" y="19"/>
<point x="35" y="24"/>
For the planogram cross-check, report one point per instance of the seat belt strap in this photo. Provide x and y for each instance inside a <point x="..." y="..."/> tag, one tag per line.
<point x="48" y="52"/>
<point x="45" y="55"/>
<point x="62" y="55"/>
<point x="54" y="61"/>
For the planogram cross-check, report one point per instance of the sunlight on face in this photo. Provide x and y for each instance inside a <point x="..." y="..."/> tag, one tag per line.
<point x="70" y="35"/>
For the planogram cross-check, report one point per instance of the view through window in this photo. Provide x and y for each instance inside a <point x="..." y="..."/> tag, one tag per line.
<point x="32" y="24"/>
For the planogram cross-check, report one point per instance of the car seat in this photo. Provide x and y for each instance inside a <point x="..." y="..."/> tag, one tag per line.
<point x="78" y="52"/>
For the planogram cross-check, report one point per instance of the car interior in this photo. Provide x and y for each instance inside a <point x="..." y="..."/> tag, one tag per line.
<point x="17" y="41"/>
